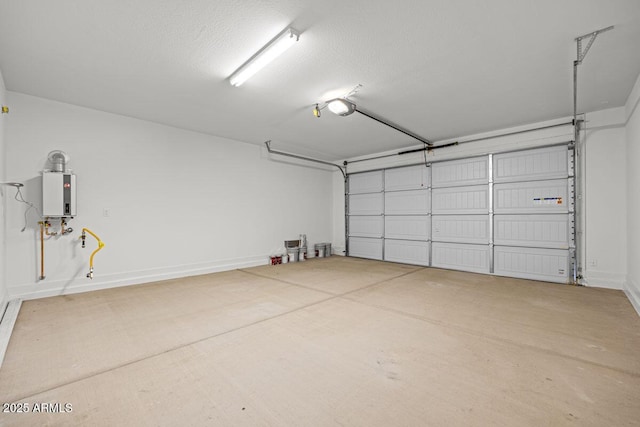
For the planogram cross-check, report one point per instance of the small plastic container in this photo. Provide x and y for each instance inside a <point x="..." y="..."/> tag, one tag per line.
<point x="302" y="254"/>
<point x="319" y="250"/>
<point x="285" y="258"/>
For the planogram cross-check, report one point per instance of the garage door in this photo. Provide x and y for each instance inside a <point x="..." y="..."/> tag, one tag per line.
<point x="407" y="225"/>
<point x="461" y="200"/>
<point x="508" y="214"/>
<point x="366" y="214"/>
<point x="534" y="214"/>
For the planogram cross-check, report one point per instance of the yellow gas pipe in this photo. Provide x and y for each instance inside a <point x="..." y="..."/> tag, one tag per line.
<point x="100" y="246"/>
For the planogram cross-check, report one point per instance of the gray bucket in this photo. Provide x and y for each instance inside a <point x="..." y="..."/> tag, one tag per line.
<point x="327" y="249"/>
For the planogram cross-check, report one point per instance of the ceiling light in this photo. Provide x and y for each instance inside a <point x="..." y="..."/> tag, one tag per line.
<point x="341" y="106"/>
<point x="268" y="53"/>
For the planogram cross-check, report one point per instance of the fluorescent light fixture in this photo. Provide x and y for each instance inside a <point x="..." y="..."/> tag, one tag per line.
<point x="268" y="53"/>
<point x="341" y="106"/>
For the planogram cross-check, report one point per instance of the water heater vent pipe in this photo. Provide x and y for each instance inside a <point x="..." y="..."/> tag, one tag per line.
<point x="58" y="160"/>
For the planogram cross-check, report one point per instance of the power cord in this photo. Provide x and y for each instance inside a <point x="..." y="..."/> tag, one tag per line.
<point x="19" y="197"/>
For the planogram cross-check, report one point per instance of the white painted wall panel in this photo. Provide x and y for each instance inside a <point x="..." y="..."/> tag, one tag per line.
<point x="406" y="251"/>
<point x="407" y="227"/>
<point x="366" y="204"/>
<point x="461" y="228"/>
<point x="242" y="203"/>
<point x="407" y="178"/>
<point x="461" y="200"/>
<point x="457" y="256"/>
<point x="531" y="197"/>
<point x="368" y="182"/>
<point x="532" y="263"/>
<point x="412" y="202"/>
<point x="366" y="226"/>
<point x="470" y="171"/>
<point x="542" y="231"/>
<point x="363" y="247"/>
<point x="543" y="163"/>
<point x="4" y="292"/>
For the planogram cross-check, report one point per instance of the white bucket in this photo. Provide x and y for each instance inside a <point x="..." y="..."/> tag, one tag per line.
<point x="285" y="258"/>
<point x="293" y="254"/>
<point x="302" y="254"/>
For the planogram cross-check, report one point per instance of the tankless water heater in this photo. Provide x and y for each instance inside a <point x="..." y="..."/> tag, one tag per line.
<point x="58" y="194"/>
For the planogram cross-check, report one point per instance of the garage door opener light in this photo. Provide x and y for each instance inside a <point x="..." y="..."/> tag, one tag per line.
<point x="344" y="107"/>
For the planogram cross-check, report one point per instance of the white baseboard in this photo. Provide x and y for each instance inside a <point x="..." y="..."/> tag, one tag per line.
<point x="632" y="290"/>
<point x="80" y="283"/>
<point x="338" y="250"/>
<point x="604" y="279"/>
<point x="7" y="322"/>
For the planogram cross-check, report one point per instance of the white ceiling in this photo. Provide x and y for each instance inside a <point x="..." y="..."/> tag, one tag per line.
<point x="439" y="68"/>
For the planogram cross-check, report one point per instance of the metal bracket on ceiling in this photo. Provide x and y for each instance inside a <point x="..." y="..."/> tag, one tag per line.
<point x="591" y="38"/>
<point x="580" y="55"/>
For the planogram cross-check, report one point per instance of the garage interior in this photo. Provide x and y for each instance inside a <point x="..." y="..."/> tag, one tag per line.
<point x="471" y="165"/>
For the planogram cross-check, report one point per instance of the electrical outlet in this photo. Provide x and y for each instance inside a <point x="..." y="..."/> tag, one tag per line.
<point x="106" y="212"/>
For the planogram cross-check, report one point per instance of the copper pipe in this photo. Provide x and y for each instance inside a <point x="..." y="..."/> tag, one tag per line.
<point x="41" y="250"/>
<point x="47" y="224"/>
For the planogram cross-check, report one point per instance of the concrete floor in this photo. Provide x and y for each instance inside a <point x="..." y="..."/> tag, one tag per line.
<point x="334" y="341"/>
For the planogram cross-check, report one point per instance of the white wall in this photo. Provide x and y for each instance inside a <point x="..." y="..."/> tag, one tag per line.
<point x="605" y="181"/>
<point x="179" y="202"/>
<point x="3" y="197"/>
<point x="606" y="201"/>
<point x="632" y="111"/>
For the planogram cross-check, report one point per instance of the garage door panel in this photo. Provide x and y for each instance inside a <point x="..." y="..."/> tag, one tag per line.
<point x="544" y="163"/>
<point x="532" y="197"/>
<point x="366" y="226"/>
<point x="512" y="219"/>
<point x="461" y="228"/>
<point x="406" y="251"/>
<point x="367" y="182"/>
<point x="543" y="231"/>
<point x="406" y="178"/>
<point x="461" y="200"/>
<point x="407" y="227"/>
<point x="532" y="263"/>
<point x="366" y="204"/>
<point x="363" y="247"/>
<point x="413" y="202"/>
<point x="461" y="172"/>
<point x="463" y="257"/>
